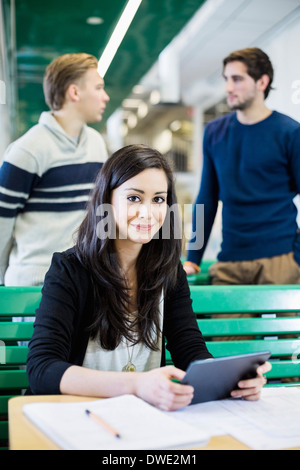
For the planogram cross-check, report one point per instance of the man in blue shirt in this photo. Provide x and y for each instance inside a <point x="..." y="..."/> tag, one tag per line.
<point x="251" y="163"/>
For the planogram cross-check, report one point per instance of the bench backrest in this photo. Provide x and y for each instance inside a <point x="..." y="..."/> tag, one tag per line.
<point x="271" y="329"/>
<point x="16" y="304"/>
<point x="208" y="301"/>
<point x="246" y="298"/>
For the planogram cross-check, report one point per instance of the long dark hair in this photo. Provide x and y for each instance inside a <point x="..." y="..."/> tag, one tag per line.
<point x="157" y="263"/>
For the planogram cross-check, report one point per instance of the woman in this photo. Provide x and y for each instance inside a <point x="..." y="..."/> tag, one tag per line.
<point x="110" y="302"/>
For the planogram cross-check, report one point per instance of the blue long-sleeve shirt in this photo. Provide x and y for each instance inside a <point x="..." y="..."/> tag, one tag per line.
<point x="255" y="171"/>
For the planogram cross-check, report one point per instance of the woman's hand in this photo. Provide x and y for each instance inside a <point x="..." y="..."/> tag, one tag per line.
<point x="250" y="389"/>
<point x="157" y="388"/>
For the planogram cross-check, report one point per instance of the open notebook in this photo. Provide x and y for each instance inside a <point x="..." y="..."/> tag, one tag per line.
<point x="140" y="425"/>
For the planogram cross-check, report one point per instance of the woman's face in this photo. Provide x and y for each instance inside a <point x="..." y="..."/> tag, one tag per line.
<point x="140" y="206"/>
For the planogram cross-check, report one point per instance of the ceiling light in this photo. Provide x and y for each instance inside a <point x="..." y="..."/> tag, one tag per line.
<point x="155" y="97"/>
<point x="131" y="103"/>
<point x="124" y="130"/>
<point x="94" y="20"/>
<point x="125" y="113"/>
<point x="117" y="36"/>
<point x="175" y="125"/>
<point x="132" y="121"/>
<point x="142" y="110"/>
<point x="138" y="89"/>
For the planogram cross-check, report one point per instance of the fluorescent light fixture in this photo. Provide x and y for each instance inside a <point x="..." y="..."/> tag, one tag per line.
<point x="94" y="20"/>
<point x="117" y="36"/>
<point x="138" y="89"/>
<point x="175" y="125"/>
<point x="131" y="103"/>
<point x="132" y="120"/>
<point x="155" y="97"/>
<point x="142" y="110"/>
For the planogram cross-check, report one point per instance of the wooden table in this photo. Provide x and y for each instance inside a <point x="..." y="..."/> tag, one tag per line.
<point x="24" y="435"/>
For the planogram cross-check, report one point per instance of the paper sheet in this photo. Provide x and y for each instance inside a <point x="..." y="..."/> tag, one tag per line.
<point x="140" y="425"/>
<point x="273" y="422"/>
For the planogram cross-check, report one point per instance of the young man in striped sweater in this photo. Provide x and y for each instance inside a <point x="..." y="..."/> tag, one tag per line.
<point x="47" y="174"/>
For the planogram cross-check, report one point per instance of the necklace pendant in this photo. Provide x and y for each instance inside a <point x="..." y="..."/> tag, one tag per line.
<point x="130" y="367"/>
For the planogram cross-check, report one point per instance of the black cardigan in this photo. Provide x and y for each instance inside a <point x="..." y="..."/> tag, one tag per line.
<point x="60" y="335"/>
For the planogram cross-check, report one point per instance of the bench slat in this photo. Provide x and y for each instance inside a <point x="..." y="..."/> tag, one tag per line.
<point x="278" y="348"/>
<point x="3" y="430"/>
<point x="13" y="379"/>
<point x="16" y="331"/>
<point x="251" y="299"/>
<point x="18" y="301"/>
<point x="246" y="326"/>
<point x="13" y="355"/>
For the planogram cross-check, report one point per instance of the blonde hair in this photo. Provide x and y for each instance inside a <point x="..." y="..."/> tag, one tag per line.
<point x="61" y="72"/>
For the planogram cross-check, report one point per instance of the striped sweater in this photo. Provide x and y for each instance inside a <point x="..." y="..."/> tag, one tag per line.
<point x="45" y="180"/>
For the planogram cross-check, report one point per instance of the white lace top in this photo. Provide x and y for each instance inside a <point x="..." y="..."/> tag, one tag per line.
<point x="142" y="357"/>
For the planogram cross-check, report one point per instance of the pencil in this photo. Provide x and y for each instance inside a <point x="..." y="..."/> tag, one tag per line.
<point x="103" y="423"/>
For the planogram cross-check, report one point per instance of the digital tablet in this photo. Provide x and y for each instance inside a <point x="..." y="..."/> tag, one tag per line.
<point x="215" y="379"/>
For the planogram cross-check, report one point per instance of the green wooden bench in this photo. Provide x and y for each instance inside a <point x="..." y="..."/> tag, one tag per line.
<point x="14" y="302"/>
<point x="207" y="300"/>
<point x="200" y="279"/>
<point x="269" y="302"/>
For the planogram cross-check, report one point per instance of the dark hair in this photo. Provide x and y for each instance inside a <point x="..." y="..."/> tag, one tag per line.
<point x="257" y="63"/>
<point x="157" y="264"/>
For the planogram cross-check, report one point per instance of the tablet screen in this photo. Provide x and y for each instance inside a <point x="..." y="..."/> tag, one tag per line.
<point x="215" y="379"/>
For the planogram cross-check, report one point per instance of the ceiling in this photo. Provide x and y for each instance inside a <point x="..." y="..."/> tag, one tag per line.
<point x="216" y="29"/>
<point x="200" y="33"/>
<point x="45" y="30"/>
<point x="219" y="27"/>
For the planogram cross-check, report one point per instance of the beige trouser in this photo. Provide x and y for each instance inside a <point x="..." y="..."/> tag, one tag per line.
<point x="281" y="269"/>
